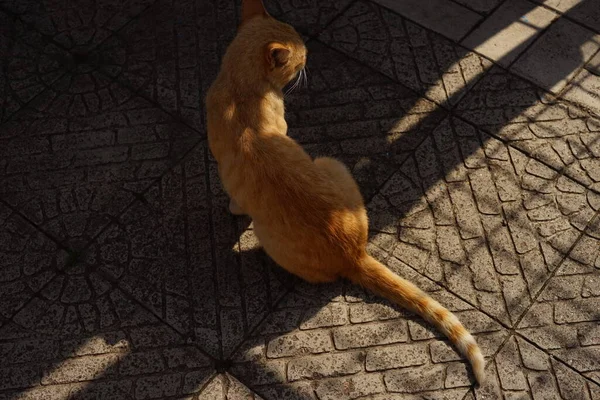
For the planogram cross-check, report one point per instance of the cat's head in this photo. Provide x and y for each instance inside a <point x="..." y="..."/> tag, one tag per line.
<point x="273" y="48"/>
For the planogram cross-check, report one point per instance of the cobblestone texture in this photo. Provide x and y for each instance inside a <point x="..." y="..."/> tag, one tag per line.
<point x="123" y="275"/>
<point x="358" y="116"/>
<point x="314" y="341"/>
<point x="80" y="26"/>
<point x="74" y="158"/>
<point x="81" y="337"/>
<point x="28" y="261"/>
<point x="171" y="53"/>
<point x="226" y="387"/>
<point x="564" y="320"/>
<point x="30" y="64"/>
<point x="523" y="371"/>
<point x="559" y="134"/>
<point x="422" y="60"/>
<point x="493" y="244"/>
<point x="213" y="290"/>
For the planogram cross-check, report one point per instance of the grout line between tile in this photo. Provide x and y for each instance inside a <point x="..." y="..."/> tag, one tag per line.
<point x="452" y="110"/>
<point x="518" y="334"/>
<point x="480" y="22"/>
<point x="328" y="24"/>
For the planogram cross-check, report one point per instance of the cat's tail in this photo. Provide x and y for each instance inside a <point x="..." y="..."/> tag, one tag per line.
<point x="376" y="277"/>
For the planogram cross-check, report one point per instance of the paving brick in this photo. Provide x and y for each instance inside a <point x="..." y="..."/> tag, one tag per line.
<point x="332" y="315"/>
<point x="350" y="387"/>
<point x="525" y="372"/>
<point x="94" y="163"/>
<point x="569" y="312"/>
<point x="325" y="366"/>
<point x="379" y="353"/>
<point x="314" y="341"/>
<point x="225" y="386"/>
<point x="503" y="37"/>
<point x="74" y="195"/>
<point x="396" y="356"/>
<point x="405" y="51"/>
<point x="28" y="261"/>
<point x="543" y="130"/>
<point x="366" y="335"/>
<point x="583" y="90"/>
<point x="450" y="20"/>
<point x="365" y="312"/>
<point x="542" y="213"/>
<point x="372" y="129"/>
<point x="567" y="44"/>
<point x="415" y="379"/>
<point x="106" y="342"/>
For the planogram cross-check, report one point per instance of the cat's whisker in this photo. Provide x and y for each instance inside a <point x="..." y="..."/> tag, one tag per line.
<point x="305" y="75"/>
<point x="295" y="84"/>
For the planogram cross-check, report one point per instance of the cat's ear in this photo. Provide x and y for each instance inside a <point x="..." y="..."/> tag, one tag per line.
<point x="277" y="55"/>
<point x="251" y="9"/>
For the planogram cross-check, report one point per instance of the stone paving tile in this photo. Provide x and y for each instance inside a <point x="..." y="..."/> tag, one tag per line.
<point x="226" y="387"/>
<point x="30" y="64"/>
<point x="445" y="17"/>
<point x="172" y="53"/>
<point x="81" y="338"/>
<point x="481" y="6"/>
<point x="160" y="250"/>
<point x="307" y="16"/>
<point x="420" y="59"/>
<point x="74" y="158"/>
<point x="336" y="342"/>
<point x="78" y="26"/>
<point x="585" y="12"/>
<point x="523" y="371"/>
<point x="28" y="261"/>
<point x="565" y="319"/>
<point x="483" y="219"/>
<point x="561" y="135"/>
<point x="594" y="64"/>
<point x="6" y="41"/>
<point x="506" y="33"/>
<point x="359" y="116"/>
<point x="557" y="55"/>
<point x="584" y="90"/>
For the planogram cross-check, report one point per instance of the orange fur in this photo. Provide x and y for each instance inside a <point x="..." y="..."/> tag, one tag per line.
<point x="308" y="214"/>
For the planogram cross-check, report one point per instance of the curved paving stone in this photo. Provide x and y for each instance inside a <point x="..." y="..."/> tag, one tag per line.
<point x="522" y="371"/>
<point x="172" y="53"/>
<point x="76" y="26"/>
<point x="357" y="115"/>
<point x="420" y="59"/>
<point x="226" y="387"/>
<point x="28" y="261"/>
<point x="309" y="17"/>
<point x="482" y="219"/>
<point x="559" y="134"/>
<point x="6" y="42"/>
<point x="337" y="342"/>
<point x="75" y="157"/>
<point x="30" y="64"/>
<point x="83" y="338"/>
<point x="565" y="320"/>
<point x="181" y="254"/>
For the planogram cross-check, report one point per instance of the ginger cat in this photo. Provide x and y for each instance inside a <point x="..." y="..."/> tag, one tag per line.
<point x="308" y="214"/>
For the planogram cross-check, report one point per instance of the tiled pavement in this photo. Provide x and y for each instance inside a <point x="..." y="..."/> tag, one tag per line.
<point x="472" y="127"/>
